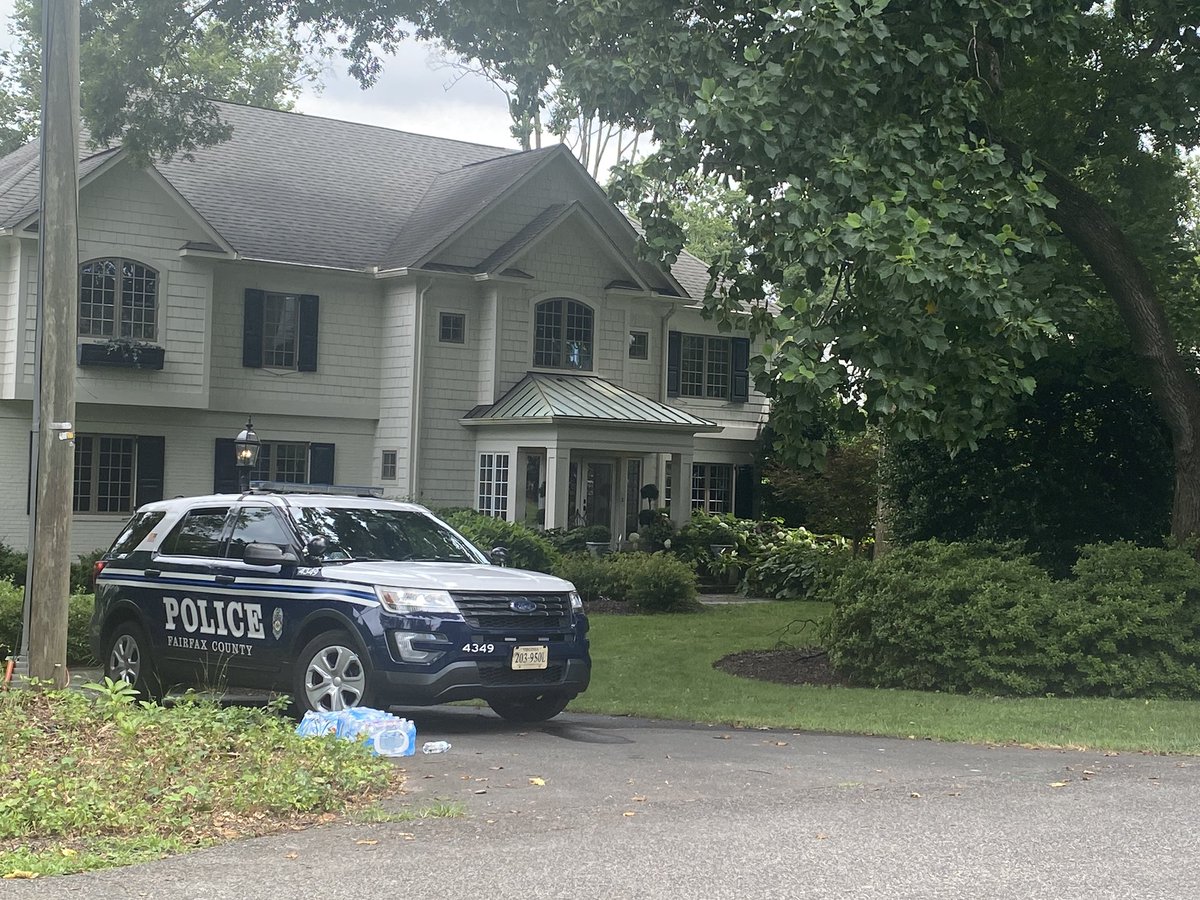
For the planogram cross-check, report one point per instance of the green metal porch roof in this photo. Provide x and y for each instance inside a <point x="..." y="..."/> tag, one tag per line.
<point x="549" y="397"/>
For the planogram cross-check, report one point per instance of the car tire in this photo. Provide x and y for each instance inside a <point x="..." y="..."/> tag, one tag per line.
<point x="331" y="674"/>
<point x="535" y="708"/>
<point x="127" y="657"/>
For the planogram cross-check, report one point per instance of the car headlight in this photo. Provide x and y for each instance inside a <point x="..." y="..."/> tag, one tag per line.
<point x="403" y="601"/>
<point x="576" y="600"/>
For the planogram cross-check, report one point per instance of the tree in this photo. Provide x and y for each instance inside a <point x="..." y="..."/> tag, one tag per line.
<point x="1085" y="459"/>
<point x="841" y="498"/>
<point x="927" y="180"/>
<point x="154" y="68"/>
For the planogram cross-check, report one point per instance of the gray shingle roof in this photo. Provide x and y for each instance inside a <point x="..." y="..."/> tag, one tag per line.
<point x="313" y="191"/>
<point x="319" y="191"/>
<point x="455" y="198"/>
<point x="20" y="174"/>
<point x="545" y="396"/>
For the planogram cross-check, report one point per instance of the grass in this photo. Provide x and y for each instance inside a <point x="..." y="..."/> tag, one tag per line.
<point x="661" y="667"/>
<point x="87" y="783"/>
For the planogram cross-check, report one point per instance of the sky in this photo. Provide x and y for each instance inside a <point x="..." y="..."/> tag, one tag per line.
<point x="417" y="92"/>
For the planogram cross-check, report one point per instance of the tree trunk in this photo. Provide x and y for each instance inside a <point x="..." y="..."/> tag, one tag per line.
<point x="1173" y="380"/>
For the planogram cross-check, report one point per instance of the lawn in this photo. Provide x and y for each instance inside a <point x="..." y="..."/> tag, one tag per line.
<point x="661" y="667"/>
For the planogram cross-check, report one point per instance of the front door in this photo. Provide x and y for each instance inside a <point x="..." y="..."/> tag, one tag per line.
<point x="591" y="495"/>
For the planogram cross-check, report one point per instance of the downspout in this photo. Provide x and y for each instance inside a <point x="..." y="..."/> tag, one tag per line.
<point x="414" y="408"/>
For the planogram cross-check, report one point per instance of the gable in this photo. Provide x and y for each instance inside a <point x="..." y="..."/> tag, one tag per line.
<point x="559" y="184"/>
<point x="128" y="211"/>
<point x="573" y="256"/>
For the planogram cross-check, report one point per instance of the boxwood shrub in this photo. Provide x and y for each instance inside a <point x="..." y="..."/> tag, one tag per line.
<point x="651" y="582"/>
<point x="527" y="549"/>
<point x="982" y="617"/>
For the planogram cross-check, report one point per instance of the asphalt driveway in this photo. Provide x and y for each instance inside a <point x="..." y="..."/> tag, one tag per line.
<point x="589" y="806"/>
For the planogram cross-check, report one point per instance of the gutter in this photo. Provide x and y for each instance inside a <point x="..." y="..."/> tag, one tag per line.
<point x="414" y="410"/>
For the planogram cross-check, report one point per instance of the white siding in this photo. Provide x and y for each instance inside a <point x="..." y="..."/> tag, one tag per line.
<point x="742" y="421"/>
<point x="456" y="377"/>
<point x="396" y="367"/>
<point x="347" y="379"/>
<point x="10" y="304"/>
<point x="190" y="446"/>
<point x="125" y="213"/>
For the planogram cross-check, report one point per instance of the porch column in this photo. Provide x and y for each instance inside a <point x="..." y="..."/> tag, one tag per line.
<point x="650" y="475"/>
<point x="516" y="477"/>
<point x="558" y="481"/>
<point x="681" y="489"/>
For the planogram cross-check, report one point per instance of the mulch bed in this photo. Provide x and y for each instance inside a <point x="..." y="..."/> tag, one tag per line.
<point x="804" y="665"/>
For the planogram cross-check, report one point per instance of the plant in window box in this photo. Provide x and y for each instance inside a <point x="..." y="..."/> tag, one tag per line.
<point x="122" y="352"/>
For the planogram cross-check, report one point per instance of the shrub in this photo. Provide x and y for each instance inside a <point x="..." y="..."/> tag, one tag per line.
<point x="954" y="617"/>
<point x="527" y="549"/>
<point x="594" y="577"/>
<point x="575" y="540"/>
<point x="655" y="582"/>
<point x="1130" y="620"/>
<point x="13" y="565"/>
<point x="795" y="568"/>
<point x="81" y="571"/>
<point x="979" y="617"/>
<point x="79" y="618"/>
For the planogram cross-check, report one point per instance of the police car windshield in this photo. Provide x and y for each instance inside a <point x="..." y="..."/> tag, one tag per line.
<point x="381" y="534"/>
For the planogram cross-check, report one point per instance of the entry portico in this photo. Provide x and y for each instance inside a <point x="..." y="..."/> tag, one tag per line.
<point x="561" y="451"/>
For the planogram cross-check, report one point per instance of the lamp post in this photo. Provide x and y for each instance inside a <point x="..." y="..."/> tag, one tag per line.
<point x="246" y="446"/>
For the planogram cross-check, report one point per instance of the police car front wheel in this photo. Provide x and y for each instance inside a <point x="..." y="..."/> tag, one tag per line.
<point x="331" y="674"/>
<point x="535" y="708"/>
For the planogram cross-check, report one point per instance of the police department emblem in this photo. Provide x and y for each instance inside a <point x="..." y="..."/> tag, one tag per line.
<point x="277" y="623"/>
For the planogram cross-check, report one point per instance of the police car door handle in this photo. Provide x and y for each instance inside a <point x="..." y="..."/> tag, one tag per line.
<point x="153" y="573"/>
<point x="226" y="579"/>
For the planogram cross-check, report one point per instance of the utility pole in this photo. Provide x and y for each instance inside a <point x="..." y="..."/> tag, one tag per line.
<point x="48" y="584"/>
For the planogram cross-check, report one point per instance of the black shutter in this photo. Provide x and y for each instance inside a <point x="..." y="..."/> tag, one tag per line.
<point x="743" y="493"/>
<point x="151" y="465"/>
<point x="252" y="329"/>
<point x="225" y="471"/>
<point x="741" y="370"/>
<point x="310" y="307"/>
<point x="674" y="358"/>
<point x="320" y="464"/>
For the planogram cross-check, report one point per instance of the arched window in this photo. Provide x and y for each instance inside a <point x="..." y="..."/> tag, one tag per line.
<point x="118" y="298"/>
<point x="562" y="337"/>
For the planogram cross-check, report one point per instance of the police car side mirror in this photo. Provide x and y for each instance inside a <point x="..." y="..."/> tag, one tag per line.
<point x="268" y="555"/>
<point x="499" y="556"/>
<point x="316" y="548"/>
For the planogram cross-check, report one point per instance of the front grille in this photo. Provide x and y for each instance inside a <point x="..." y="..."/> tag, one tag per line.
<point x="500" y="674"/>
<point x="494" y="612"/>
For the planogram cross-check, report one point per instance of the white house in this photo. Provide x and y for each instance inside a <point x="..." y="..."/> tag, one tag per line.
<point x="462" y="325"/>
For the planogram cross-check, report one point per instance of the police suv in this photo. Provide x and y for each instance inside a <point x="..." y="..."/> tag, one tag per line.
<point x="340" y="599"/>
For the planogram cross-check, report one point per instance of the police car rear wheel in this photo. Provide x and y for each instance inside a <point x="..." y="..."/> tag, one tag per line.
<point x="538" y="708"/>
<point x="331" y="675"/>
<point x="128" y="659"/>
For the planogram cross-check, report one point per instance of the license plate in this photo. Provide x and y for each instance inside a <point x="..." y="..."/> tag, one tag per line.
<point x="530" y="657"/>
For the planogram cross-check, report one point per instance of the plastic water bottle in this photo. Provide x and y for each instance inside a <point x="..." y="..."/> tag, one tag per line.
<point x="435" y="747"/>
<point x="395" y="738"/>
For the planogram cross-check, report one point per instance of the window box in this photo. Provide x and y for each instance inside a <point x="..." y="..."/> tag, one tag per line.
<point x="121" y="355"/>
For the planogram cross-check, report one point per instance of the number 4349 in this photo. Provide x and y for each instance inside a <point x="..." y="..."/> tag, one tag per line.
<point x="479" y="648"/>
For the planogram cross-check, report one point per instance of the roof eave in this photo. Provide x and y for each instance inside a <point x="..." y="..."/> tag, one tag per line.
<point x="708" y="428"/>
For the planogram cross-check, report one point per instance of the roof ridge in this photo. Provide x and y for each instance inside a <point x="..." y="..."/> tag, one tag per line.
<point x="506" y="151"/>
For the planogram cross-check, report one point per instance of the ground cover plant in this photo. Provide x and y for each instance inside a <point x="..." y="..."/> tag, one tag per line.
<point x="662" y="667"/>
<point x="87" y="783"/>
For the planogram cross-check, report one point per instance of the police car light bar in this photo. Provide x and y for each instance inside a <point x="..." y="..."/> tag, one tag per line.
<point x="338" y="490"/>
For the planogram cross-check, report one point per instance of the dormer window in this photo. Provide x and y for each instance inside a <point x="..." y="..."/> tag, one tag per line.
<point x="118" y="298"/>
<point x="563" y="335"/>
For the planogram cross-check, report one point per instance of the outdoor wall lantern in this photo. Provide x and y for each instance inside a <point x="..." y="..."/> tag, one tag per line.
<point x="246" y="446"/>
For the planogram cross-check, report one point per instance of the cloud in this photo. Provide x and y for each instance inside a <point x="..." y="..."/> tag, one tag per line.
<point x="417" y="92"/>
